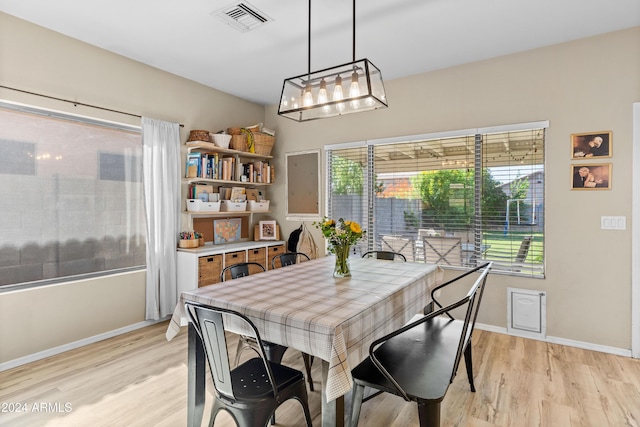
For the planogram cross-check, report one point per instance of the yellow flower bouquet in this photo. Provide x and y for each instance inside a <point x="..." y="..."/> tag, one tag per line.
<point x="341" y="235"/>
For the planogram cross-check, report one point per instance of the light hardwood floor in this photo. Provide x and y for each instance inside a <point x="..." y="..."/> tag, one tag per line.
<point x="139" y="379"/>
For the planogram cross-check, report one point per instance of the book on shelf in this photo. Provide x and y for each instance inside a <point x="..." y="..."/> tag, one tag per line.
<point x="261" y="172"/>
<point x="237" y="193"/>
<point x="257" y="195"/>
<point x="196" y="189"/>
<point x="193" y="165"/>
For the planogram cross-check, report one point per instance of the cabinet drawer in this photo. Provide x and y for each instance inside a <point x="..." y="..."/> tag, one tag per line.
<point x="209" y="268"/>
<point x="231" y="258"/>
<point x="258" y="255"/>
<point x="273" y="251"/>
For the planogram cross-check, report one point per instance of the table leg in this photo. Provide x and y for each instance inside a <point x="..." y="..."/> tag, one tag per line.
<point x="195" y="379"/>
<point x="332" y="412"/>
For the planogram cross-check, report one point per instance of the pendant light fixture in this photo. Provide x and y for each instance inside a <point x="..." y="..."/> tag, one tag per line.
<point x="322" y="94"/>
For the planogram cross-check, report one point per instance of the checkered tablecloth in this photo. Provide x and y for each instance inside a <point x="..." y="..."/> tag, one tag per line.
<point x="336" y="319"/>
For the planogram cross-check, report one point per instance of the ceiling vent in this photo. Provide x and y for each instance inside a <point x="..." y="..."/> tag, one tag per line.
<point x="242" y="16"/>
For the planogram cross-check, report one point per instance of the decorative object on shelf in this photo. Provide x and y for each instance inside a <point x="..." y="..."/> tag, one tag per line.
<point x="226" y="230"/>
<point x="190" y="240"/>
<point x="320" y="94"/>
<point x="199" y="135"/>
<point x="251" y="140"/>
<point x="221" y="139"/>
<point x="340" y="235"/>
<point x="267" y="230"/>
<point x="256" y="232"/>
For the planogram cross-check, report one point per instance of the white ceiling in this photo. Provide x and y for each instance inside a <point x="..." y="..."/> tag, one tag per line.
<point x="401" y="37"/>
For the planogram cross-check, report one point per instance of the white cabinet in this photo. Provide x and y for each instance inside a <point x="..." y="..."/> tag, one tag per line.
<point x="202" y="266"/>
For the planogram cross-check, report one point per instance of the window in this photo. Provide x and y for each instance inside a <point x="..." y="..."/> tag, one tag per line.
<point x="456" y="198"/>
<point x="71" y="197"/>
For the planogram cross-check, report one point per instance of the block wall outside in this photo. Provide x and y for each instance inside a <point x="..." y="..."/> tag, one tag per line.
<point x="57" y="226"/>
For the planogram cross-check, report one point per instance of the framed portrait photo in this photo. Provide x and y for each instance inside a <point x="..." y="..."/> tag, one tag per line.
<point x="591" y="176"/>
<point x="267" y="230"/>
<point x="591" y="145"/>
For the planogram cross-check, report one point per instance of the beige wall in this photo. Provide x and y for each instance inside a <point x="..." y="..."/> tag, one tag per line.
<point x="582" y="86"/>
<point x="38" y="60"/>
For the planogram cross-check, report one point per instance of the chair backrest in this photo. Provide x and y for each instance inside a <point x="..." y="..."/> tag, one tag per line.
<point x="240" y="270"/>
<point x="289" y="258"/>
<point x="209" y="324"/>
<point x="472" y="301"/>
<point x="400" y="245"/>
<point x="442" y="250"/>
<point x="524" y="249"/>
<point x="385" y="255"/>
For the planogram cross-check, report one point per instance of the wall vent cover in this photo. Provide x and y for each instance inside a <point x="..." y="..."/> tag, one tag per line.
<point x="242" y="16"/>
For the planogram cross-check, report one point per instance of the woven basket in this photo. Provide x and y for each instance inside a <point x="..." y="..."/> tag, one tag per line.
<point x="199" y="135"/>
<point x="239" y="143"/>
<point x="234" y="131"/>
<point x="263" y="143"/>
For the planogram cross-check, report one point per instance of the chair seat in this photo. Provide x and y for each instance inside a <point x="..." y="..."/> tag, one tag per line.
<point x="420" y="360"/>
<point x="251" y="382"/>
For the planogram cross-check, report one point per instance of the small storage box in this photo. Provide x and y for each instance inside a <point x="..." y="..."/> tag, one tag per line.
<point x="254" y="206"/>
<point x="197" y="205"/>
<point x="229" y="206"/>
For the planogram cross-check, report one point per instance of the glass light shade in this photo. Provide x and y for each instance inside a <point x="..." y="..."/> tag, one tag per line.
<point x="370" y="94"/>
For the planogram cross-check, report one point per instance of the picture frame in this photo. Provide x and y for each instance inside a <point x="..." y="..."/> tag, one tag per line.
<point x="591" y="145"/>
<point x="227" y="230"/>
<point x="591" y="176"/>
<point x="267" y="230"/>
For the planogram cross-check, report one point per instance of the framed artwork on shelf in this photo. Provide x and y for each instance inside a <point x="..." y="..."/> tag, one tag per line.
<point x="267" y="230"/>
<point x="591" y="144"/>
<point x="226" y="230"/>
<point x="593" y="176"/>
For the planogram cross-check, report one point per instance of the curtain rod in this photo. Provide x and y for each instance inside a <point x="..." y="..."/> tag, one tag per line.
<point x="75" y="103"/>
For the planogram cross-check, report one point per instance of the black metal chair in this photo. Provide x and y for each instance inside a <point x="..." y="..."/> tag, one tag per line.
<point x="288" y="258"/>
<point x="252" y="391"/>
<point x="240" y="270"/>
<point x="386" y="255"/>
<point x="420" y="360"/>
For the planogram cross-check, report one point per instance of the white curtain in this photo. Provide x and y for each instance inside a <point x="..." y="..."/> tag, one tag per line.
<point x="161" y="164"/>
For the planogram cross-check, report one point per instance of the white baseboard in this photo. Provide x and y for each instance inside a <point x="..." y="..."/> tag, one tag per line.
<point x="562" y="341"/>
<point x="73" y="345"/>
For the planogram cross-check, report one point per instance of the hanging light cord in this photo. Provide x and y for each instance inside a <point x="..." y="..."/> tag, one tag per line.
<point x="309" y="45"/>
<point x="354" y="30"/>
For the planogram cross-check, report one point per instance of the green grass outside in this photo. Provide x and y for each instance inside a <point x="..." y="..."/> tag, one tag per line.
<point x="501" y="246"/>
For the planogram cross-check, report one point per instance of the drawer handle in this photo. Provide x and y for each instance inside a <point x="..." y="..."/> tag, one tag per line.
<point x="234" y="256"/>
<point x="255" y="252"/>
<point x="210" y="259"/>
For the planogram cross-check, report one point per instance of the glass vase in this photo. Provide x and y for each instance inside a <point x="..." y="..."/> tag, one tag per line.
<point x="341" y="268"/>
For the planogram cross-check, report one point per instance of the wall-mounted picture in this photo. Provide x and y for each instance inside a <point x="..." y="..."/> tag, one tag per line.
<point x="226" y="230"/>
<point x="591" y="144"/>
<point x="267" y="230"/>
<point x="591" y="176"/>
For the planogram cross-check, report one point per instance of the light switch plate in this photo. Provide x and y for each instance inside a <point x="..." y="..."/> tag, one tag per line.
<point x="613" y="222"/>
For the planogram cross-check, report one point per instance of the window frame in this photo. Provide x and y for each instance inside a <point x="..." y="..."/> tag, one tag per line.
<point x="369" y="178"/>
<point x="83" y="120"/>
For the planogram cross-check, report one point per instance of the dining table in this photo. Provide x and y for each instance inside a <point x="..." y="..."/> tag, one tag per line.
<point x="306" y="308"/>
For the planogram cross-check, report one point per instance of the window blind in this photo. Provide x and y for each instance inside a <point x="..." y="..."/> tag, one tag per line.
<point x="452" y="199"/>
